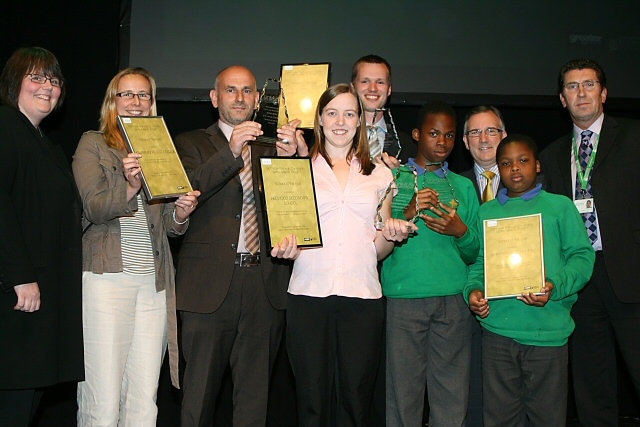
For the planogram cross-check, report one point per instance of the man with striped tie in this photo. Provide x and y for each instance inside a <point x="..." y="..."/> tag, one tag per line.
<point x="371" y="78"/>
<point x="231" y="293"/>
<point x="598" y="166"/>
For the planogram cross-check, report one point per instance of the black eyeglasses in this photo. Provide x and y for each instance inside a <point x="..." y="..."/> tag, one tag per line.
<point x="39" y="78"/>
<point x="142" y="96"/>
<point x="476" y="133"/>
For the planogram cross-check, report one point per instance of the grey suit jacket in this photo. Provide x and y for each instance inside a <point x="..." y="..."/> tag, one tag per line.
<point x="208" y="251"/>
<point x="615" y="182"/>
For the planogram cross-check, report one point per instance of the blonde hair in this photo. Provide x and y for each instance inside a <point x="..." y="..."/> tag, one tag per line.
<point x="109" y="111"/>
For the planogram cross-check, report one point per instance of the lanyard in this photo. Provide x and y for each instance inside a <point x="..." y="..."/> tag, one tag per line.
<point x="583" y="176"/>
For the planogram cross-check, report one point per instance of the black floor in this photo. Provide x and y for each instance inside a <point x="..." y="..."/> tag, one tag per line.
<point x="58" y="407"/>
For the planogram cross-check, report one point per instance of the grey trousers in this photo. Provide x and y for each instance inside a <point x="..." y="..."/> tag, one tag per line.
<point x="428" y="344"/>
<point x="523" y="382"/>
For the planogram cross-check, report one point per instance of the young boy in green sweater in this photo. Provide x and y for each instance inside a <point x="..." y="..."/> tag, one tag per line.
<point x="524" y="342"/>
<point x="428" y="323"/>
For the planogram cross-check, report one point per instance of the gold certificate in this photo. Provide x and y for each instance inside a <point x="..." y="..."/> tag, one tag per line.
<point x="162" y="173"/>
<point x="290" y="200"/>
<point x="302" y="85"/>
<point x="513" y="256"/>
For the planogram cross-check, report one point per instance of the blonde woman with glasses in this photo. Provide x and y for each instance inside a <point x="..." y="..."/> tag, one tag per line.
<point x="128" y="302"/>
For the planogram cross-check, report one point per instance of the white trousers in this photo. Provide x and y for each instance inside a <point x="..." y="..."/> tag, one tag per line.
<point x="125" y="338"/>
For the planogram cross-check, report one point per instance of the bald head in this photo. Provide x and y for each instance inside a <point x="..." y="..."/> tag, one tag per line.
<point x="235" y="95"/>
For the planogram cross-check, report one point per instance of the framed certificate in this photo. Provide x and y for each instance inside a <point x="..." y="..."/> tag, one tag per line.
<point x="302" y="85"/>
<point x="513" y="256"/>
<point x="290" y="200"/>
<point x="162" y="173"/>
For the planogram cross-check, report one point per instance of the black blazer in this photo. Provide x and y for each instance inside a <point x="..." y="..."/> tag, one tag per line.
<point x="615" y="182"/>
<point x="40" y="214"/>
<point x="208" y="251"/>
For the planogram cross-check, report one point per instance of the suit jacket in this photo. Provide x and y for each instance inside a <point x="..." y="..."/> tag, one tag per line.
<point x="615" y="182"/>
<point x="208" y="251"/>
<point x="40" y="214"/>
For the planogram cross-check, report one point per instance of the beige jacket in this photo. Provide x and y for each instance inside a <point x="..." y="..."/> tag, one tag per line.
<point x="97" y="169"/>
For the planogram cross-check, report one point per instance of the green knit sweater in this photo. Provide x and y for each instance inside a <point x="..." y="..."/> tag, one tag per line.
<point x="430" y="264"/>
<point x="568" y="261"/>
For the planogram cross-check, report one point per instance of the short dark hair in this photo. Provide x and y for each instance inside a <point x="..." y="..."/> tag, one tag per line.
<point x="370" y="59"/>
<point x="22" y="62"/>
<point x="581" y="64"/>
<point x="482" y="109"/>
<point x="514" y="139"/>
<point x="434" y="107"/>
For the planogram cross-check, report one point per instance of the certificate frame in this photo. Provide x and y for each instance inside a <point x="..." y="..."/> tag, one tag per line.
<point x="162" y="173"/>
<point x="513" y="256"/>
<point x="289" y="199"/>
<point x="302" y="85"/>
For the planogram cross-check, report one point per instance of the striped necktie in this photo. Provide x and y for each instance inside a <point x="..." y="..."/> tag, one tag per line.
<point x="251" y="238"/>
<point x="375" y="149"/>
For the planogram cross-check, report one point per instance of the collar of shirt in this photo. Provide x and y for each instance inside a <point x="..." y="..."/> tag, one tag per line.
<point x="420" y="170"/>
<point x="503" y="198"/>
<point x="596" y="128"/>
<point x="479" y="169"/>
<point x="381" y="125"/>
<point x="226" y="129"/>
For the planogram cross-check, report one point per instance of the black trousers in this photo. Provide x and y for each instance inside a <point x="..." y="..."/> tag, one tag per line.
<point x="334" y="346"/>
<point x="602" y="321"/>
<point x="18" y="407"/>
<point x="244" y="333"/>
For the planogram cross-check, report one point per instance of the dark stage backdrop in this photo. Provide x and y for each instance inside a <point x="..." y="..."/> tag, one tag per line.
<point x="84" y="36"/>
<point x="462" y="47"/>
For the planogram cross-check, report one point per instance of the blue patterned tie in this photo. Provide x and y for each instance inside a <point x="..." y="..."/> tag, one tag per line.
<point x="584" y="152"/>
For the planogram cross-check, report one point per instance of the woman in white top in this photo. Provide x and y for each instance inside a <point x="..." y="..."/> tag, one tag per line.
<point x="128" y="302"/>
<point x="335" y="311"/>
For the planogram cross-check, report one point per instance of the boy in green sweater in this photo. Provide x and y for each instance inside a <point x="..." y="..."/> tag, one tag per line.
<point x="428" y="323"/>
<point x="524" y="342"/>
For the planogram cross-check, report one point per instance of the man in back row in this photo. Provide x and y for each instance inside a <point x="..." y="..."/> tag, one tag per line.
<point x="483" y="130"/>
<point x="371" y="78"/>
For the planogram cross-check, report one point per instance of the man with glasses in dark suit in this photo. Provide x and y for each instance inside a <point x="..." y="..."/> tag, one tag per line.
<point x="597" y="166"/>
<point x="483" y="130"/>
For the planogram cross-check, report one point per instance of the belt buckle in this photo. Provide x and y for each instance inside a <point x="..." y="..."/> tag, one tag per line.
<point x="248" y="260"/>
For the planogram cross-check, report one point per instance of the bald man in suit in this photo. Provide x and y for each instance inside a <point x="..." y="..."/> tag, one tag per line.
<point x="231" y="298"/>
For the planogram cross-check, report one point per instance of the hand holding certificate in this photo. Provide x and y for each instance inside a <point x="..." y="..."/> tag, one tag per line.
<point x="162" y="173"/>
<point x="290" y="200"/>
<point x="513" y="256"/>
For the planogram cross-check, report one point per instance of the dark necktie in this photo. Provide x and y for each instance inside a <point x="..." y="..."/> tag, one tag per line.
<point x="584" y="154"/>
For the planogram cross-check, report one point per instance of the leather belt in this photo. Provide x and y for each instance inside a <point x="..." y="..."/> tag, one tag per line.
<point x="247" y="259"/>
